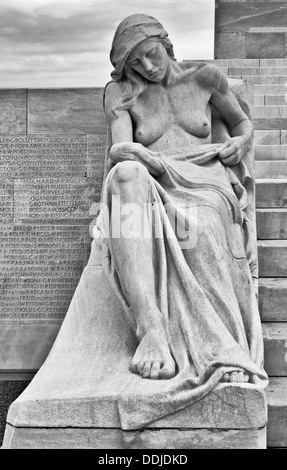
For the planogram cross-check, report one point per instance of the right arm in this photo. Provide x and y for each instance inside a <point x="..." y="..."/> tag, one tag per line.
<point x="123" y="147"/>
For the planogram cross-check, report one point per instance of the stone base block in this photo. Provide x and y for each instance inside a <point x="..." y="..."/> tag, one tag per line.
<point x="53" y="438"/>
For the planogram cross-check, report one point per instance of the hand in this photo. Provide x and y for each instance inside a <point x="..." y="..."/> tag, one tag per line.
<point x="233" y="150"/>
<point x="137" y="152"/>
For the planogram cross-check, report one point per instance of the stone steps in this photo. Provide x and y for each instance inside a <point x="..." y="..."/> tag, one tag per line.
<point x="271" y="193"/>
<point x="272" y="299"/>
<point x="272" y="258"/>
<point x="263" y="79"/>
<point x="275" y="153"/>
<point x="275" y="348"/>
<point x="275" y="169"/>
<point x="277" y="412"/>
<point x="271" y="224"/>
<point x="269" y="137"/>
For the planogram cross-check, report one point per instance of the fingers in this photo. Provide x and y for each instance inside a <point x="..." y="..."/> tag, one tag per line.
<point x="231" y="153"/>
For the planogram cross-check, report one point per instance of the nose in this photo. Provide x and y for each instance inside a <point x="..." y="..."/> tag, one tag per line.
<point x="147" y="64"/>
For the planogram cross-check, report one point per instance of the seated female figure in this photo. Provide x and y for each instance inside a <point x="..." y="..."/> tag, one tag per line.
<point x="201" y="295"/>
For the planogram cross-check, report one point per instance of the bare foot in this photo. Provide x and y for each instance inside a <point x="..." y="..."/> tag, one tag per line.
<point x="152" y="359"/>
<point x="236" y="377"/>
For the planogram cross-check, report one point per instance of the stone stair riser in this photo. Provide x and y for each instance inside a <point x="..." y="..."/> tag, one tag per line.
<point x="271" y="225"/>
<point x="271" y="193"/>
<point x="272" y="258"/>
<point x="268" y="137"/>
<point x="277" y="412"/>
<point x="273" y="153"/>
<point x="272" y="299"/>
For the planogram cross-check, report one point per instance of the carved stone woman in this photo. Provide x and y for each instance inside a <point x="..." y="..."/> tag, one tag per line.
<point x="173" y="250"/>
<point x="199" y="295"/>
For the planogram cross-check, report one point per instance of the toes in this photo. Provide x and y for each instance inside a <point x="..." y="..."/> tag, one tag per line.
<point x="225" y="378"/>
<point x="240" y="377"/>
<point x="166" y="373"/>
<point x="246" y="378"/>
<point x="140" y="367"/>
<point x="146" y="370"/>
<point x="133" y="368"/>
<point x="154" y="373"/>
<point x="233" y="377"/>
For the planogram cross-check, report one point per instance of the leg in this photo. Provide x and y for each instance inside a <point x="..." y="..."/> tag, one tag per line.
<point x="134" y="263"/>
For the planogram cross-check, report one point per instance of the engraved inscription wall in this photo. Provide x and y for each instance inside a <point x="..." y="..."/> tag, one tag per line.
<point x="39" y="268"/>
<point x="52" y="154"/>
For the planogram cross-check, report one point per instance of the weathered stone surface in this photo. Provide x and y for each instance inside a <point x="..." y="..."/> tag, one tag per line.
<point x="271" y="169"/>
<point x="241" y="16"/>
<point x="275" y="348"/>
<point x="265" y="138"/>
<point x="276" y="100"/>
<point x="269" y="89"/>
<point x="43" y="251"/>
<point x="272" y="258"/>
<point x="271" y="224"/>
<point x="144" y="439"/>
<point x="271" y="193"/>
<point x="273" y="62"/>
<point x="258" y="71"/>
<point x="43" y="200"/>
<point x="6" y="200"/>
<point x="43" y="156"/>
<point x="276" y="154"/>
<point x="277" y="412"/>
<point x="66" y="111"/>
<point x="272" y="299"/>
<point x="9" y="391"/>
<point x="25" y="344"/>
<point x="284" y="137"/>
<point x="276" y="112"/>
<point x="270" y="123"/>
<point x="13" y="111"/>
<point x="265" y="79"/>
<point x="228" y="45"/>
<point x="259" y="100"/>
<point x="265" y="45"/>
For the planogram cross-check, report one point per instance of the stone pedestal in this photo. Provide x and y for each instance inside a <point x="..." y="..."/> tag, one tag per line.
<point x="73" y="401"/>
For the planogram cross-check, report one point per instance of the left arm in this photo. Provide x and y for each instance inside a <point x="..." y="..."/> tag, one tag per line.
<point x="240" y="127"/>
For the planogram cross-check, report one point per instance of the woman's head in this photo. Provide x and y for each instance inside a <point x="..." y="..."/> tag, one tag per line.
<point x="130" y="33"/>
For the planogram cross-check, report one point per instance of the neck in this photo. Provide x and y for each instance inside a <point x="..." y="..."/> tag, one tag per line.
<point x="172" y="72"/>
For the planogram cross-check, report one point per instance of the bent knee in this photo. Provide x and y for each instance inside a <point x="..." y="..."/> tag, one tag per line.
<point x="129" y="172"/>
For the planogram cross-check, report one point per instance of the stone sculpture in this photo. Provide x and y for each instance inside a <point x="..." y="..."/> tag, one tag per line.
<point x="159" y="112"/>
<point x="165" y="312"/>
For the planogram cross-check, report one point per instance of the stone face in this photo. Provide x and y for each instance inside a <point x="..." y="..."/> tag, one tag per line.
<point x="13" y="111"/>
<point x="66" y="111"/>
<point x="145" y="439"/>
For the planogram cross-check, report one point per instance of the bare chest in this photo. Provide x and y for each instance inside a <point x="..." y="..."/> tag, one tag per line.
<point x="183" y="106"/>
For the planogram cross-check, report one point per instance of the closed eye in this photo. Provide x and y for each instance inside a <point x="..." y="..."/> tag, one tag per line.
<point x="134" y="62"/>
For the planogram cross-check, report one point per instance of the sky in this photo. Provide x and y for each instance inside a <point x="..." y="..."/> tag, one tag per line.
<point x="66" y="43"/>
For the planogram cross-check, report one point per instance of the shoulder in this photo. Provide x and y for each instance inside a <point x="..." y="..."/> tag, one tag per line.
<point x="112" y="92"/>
<point x="211" y="77"/>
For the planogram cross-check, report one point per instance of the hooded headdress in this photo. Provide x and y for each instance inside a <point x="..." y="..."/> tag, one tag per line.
<point x="132" y="31"/>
